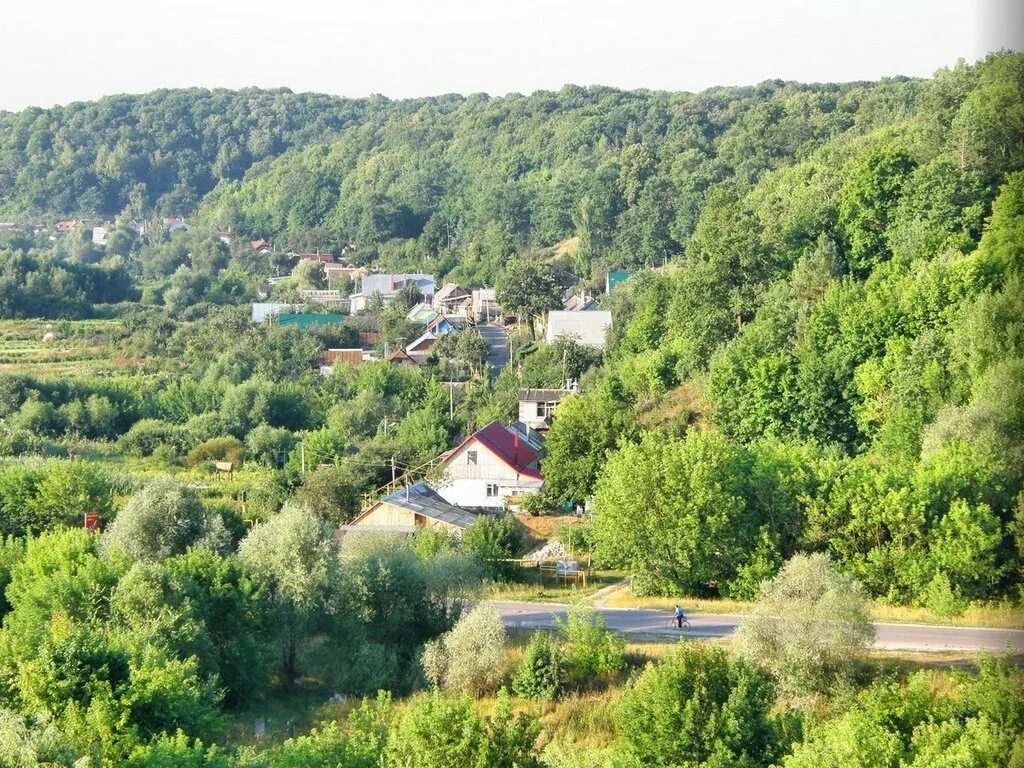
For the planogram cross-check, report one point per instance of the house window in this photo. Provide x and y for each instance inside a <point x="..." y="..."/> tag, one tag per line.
<point x="492" y="490"/>
<point x="471" y="457"/>
<point x="545" y="409"/>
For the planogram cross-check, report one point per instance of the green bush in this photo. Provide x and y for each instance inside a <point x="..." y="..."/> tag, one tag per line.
<point x="218" y="449"/>
<point x="437" y="731"/>
<point x="270" y="445"/>
<point x="40" y="418"/>
<point x="939" y="597"/>
<point x="698" y="708"/>
<point x="592" y="650"/>
<point x="809" y="625"/>
<point x="541" y="673"/>
<point x="493" y="539"/>
<point x="204" y="426"/>
<point x="471" y="656"/>
<point x="147" y="435"/>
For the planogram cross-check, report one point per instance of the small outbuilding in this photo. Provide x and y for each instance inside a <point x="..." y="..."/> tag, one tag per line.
<point x="409" y="508"/>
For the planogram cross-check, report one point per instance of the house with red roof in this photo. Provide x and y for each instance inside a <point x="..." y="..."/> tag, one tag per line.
<point x="491" y="469"/>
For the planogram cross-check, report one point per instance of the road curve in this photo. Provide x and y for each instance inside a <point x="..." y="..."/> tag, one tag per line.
<point x="642" y="621"/>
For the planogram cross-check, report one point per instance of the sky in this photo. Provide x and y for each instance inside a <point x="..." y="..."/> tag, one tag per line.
<point x="403" y="48"/>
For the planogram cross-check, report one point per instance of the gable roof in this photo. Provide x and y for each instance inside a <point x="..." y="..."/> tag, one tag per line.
<point x="507" y="446"/>
<point x="400" y="354"/>
<point x="421" y="499"/>
<point x="450" y="291"/>
<point x="428" y="336"/>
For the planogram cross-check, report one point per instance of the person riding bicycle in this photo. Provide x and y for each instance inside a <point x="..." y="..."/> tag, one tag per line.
<point x="680" y="616"/>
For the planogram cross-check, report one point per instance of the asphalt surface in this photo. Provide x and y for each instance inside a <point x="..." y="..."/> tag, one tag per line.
<point x="641" y="621"/>
<point x="497" y="339"/>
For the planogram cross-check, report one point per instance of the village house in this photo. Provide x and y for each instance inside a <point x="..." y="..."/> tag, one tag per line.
<point x="337" y="272"/>
<point x="588" y="328"/>
<point x="263" y="311"/>
<point x="353" y="357"/>
<point x="452" y="299"/>
<point x="388" y="287"/>
<point x="537" y="406"/>
<point x="421" y="313"/>
<point x="572" y="302"/>
<point x="420" y="348"/>
<point x="439" y="325"/>
<point x="99" y="235"/>
<point x="401" y="357"/>
<point x="414" y="506"/>
<point x="327" y="298"/>
<point x="484" y="306"/>
<point x="491" y="469"/>
<point x="323" y="258"/>
<point x="260" y="246"/>
<point x="176" y="224"/>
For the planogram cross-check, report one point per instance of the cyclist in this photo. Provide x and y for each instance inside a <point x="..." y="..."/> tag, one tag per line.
<point x="680" y="616"/>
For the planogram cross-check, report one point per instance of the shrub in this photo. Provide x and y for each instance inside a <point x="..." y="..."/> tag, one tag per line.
<point x="204" y="426"/>
<point x="39" y="417"/>
<point x="540" y="674"/>
<point x="437" y="731"/>
<point x="808" y="625"/>
<point x="939" y="597"/>
<point x="329" y="495"/>
<point x="16" y="442"/>
<point x="147" y="435"/>
<point x="163" y="519"/>
<point x="493" y="539"/>
<point x="698" y="708"/>
<point x="471" y="655"/>
<point x="592" y="650"/>
<point x="270" y="445"/>
<point x="218" y="449"/>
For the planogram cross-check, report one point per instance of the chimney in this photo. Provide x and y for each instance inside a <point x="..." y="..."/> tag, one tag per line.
<point x="515" y="444"/>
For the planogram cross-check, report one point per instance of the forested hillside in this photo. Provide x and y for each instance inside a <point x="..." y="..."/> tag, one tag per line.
<point x="165" y="149"/>
<point x="811" y="404"/>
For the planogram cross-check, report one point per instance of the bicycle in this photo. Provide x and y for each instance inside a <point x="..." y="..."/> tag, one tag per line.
<point x="682" y="628"/>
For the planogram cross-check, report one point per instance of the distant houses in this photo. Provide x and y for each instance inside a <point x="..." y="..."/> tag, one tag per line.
<point x="388" y="286"/>
<point x="589" y="328"/>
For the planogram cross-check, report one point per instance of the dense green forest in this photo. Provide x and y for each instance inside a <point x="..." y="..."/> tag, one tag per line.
<point x="817" y="366"/>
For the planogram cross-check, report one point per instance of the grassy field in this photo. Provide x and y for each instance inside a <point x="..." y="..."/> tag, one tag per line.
<point x="536" y="589"/>
<point x="999" y="615"/>
<point x="81" y="347"/>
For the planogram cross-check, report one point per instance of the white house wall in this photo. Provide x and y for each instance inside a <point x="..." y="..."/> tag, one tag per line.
<point x="465" y="485"/>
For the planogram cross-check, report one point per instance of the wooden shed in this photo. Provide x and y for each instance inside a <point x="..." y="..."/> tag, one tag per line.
<point x="409" y="508"/>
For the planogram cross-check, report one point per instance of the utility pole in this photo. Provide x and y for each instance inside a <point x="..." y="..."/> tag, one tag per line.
<point x="394" y="476"/>
<point x="302" y="454"/>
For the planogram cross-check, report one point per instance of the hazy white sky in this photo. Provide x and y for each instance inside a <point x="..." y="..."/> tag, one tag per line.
<point x="56" y="51"/>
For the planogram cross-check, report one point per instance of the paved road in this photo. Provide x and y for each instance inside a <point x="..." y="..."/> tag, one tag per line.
<point x="917" y="637"/>
<point x="497" y="339"/>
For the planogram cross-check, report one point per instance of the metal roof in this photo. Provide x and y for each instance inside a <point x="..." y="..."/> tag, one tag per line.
<point x="543" y="395"/>
<point x="424" y="500"/>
